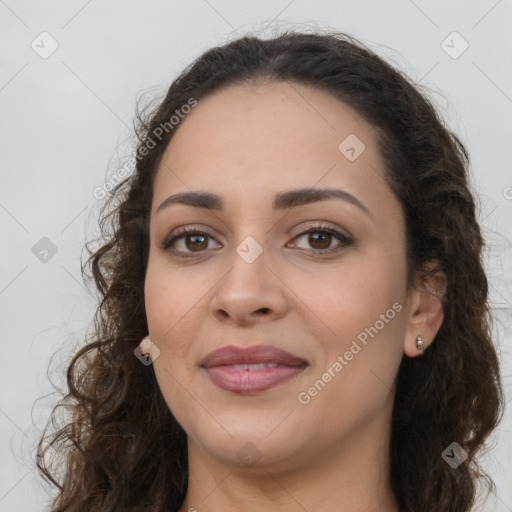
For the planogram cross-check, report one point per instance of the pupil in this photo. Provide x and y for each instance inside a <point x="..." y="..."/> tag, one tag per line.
<point x="314" y="237"/>
<point x="193" y="245"/>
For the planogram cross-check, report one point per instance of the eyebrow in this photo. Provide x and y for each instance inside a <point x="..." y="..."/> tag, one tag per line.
<point x="282" y="201"/>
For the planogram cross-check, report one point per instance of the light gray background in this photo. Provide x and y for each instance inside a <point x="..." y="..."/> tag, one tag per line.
<point x="64" y="119"/>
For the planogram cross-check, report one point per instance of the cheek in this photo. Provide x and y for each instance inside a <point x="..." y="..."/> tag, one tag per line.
<point x="172" y="309"/>
<point x="363" y="307"/>
<point x="355" y="381"/>
<point x="169" y="298"/>
<point x="354" y="295"/>
<point x="368" y="317"/>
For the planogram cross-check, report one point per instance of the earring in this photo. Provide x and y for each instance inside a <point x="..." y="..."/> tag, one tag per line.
<point x="145" y="346"/>
<point x="419" y="345"/>
<point x="148" y="350"/>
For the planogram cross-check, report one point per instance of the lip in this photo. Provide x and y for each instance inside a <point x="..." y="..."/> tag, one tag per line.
<point x="219" y="366"/>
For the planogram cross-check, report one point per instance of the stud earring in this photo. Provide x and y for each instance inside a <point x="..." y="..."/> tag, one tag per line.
<point x="419" y="345"/>
<point x="145" y="346"/>
<point x="148" y="350"/>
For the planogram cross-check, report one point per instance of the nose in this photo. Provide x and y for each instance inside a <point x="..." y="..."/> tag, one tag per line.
<point x="249" y="292"/>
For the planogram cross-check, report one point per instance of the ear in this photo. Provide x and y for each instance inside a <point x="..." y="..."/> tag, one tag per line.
<point x="425" y="312"/>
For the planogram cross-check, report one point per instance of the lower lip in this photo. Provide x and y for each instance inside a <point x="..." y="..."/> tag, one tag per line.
<point x="251" y="381"/>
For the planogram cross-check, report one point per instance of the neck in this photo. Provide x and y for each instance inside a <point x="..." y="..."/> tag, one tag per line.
<point x="350" y="477"/>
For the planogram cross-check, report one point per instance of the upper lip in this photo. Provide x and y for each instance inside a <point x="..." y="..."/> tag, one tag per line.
<point x="230" y="355"/>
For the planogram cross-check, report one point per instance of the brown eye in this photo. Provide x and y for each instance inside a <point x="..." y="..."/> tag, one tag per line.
<point x="196" y="242"/>
<point x="187" y="242"/>
<point x="320" y="239"/>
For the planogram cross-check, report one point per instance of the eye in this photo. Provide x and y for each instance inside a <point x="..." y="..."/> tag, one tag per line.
<point x="193" y="240"/>
<point x="320" y="237"/>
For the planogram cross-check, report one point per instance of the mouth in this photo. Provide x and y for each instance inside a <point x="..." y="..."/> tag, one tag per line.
<point x="251" y="370"/>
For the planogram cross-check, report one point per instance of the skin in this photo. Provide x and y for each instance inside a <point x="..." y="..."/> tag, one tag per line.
<point x="246" y="143"/>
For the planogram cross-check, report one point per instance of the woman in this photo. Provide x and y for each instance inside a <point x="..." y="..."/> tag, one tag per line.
<point x="294" y="309"/>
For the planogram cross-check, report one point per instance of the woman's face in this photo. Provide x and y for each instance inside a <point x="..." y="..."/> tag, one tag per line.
<point x="253" y="276"/>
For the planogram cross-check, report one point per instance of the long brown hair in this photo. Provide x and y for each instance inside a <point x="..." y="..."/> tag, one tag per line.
<point x="120" y="447"/>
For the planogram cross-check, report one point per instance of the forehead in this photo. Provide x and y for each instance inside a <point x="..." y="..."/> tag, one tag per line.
<point x="250" y="141"/>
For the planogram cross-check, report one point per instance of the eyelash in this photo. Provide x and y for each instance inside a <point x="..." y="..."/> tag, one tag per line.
<point x="315" y="228"/>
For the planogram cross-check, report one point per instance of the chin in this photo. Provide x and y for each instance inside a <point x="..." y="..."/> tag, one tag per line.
<point x="253" y="451"/>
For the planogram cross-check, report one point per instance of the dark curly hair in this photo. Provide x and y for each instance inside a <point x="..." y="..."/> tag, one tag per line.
<point x="106" y="460"/>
